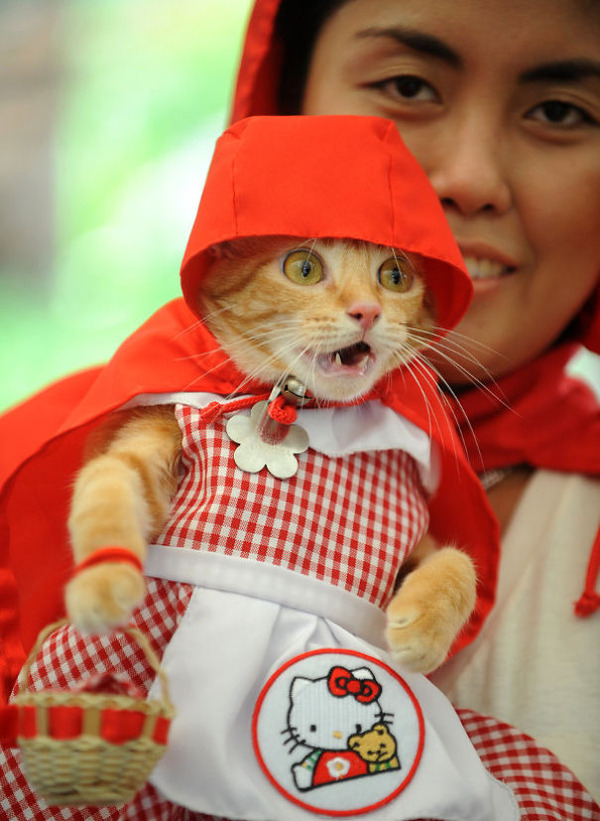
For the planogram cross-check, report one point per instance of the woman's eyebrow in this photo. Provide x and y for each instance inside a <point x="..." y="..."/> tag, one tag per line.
<point x="563" y="71"/>
<point x="416" y="40"/>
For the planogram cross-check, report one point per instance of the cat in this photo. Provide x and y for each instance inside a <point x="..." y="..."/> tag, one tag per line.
<point x="337" y="314"/>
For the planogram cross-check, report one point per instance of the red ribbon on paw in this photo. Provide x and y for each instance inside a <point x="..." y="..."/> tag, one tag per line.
<point x="110" y="554"/>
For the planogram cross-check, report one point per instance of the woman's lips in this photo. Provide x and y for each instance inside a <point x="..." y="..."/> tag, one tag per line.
<point x="486" y="268"/>
<point x="484" y="262"/>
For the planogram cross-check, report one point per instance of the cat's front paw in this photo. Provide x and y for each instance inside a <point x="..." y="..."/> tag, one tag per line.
<point x="414" y="640"/>
<point x="429" y="610"/>
<point x="102" y="598"/>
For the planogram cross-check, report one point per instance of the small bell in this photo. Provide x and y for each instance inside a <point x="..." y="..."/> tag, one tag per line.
<point x="295" y="392"/>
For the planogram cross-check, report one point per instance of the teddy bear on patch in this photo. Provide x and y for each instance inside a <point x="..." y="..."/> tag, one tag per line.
<point x="377" y="747"/>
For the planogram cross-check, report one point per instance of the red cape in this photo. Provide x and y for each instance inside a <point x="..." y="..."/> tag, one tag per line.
<point x="37" y="497"/>
<point x="305" y="191"/>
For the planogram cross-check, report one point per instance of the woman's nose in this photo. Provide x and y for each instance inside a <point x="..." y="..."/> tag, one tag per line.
<point x="468" y="172"/>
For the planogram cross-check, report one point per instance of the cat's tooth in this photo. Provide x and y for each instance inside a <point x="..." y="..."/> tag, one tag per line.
<point x="338" y="358"/>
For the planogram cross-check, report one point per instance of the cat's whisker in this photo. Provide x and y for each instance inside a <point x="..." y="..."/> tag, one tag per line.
<point x="446" y="405"/>
<point x="189" y="329"/>
<point x="201" y="375"/>
<point x="216" y="312"/>
<point x="445" y="347"/>
<point x="445" y="385"/>
<point x="446" y="352"/>
<point x="452" y="333"/>
<point x="255" y="375"/>
<point x="196" y="357"/>
<point x="266" y="366"/>
<point x="453" y="353"/>
<point x="410" y="369"/>
<point x="421" y="370"/>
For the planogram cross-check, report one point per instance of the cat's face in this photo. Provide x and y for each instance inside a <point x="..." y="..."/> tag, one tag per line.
<point x="337" y="315"/>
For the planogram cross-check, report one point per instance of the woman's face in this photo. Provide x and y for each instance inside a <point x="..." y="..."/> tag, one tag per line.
<point x="499" y="100"/>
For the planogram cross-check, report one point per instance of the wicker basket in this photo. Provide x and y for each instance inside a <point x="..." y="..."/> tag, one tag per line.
<point x="89" y="764"/>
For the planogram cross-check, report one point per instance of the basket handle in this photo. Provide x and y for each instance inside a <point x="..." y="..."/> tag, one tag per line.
<point x="134" y="632"/>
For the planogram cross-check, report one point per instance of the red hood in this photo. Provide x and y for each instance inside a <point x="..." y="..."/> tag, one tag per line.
<point x="289" y="176"/>
<point x="256" y="94"/>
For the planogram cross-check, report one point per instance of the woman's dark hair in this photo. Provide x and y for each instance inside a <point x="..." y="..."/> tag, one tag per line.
<point x="297" y="25"/>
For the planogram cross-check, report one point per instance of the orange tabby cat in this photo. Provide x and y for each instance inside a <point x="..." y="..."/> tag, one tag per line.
<point x="338" y="315"/>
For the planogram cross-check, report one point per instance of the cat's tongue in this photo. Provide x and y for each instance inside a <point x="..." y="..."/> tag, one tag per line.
<point x="355" y="359"/>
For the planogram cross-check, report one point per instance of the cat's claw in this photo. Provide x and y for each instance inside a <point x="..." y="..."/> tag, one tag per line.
<point x="102" y="598"/>
<point x="413" y="650"/>
<point x="419" y="635"/>
<point x="429" y="610"/>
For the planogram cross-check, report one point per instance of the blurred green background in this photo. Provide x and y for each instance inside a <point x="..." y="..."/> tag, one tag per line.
<point x="108" y="114"/>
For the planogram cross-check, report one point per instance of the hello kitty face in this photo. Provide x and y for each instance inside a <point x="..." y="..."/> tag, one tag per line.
<point x="337" y="738"/>
<point x="325" y="712"/>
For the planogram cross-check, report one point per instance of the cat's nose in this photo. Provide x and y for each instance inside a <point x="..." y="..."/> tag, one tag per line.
<point x="365" y="313"/>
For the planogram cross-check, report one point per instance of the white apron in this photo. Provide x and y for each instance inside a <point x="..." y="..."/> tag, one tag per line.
<point x="264" y="732"/>
<point x="287" y="707"/>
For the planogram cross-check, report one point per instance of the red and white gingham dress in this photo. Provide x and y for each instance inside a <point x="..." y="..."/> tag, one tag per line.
<point x="350" y="521"/>
<point x="334" y="511"/>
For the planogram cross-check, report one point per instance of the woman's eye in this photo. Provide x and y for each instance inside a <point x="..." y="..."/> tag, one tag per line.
<point x="303" y="267"/>
<point x="560" y="114"/>
<point x="409" y="87"/>
<point x="395" y="275"/>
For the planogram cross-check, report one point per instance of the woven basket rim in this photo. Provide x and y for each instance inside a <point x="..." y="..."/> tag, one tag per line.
<point x="24" y="697"/>
<point x="99" y="701"/>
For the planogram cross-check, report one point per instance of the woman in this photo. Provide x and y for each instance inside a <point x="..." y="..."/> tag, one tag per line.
<point x="500" y="103"/>
<point x="501" y="106"/>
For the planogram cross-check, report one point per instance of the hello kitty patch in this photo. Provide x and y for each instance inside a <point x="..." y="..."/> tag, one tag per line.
<point x="338" y="732"/>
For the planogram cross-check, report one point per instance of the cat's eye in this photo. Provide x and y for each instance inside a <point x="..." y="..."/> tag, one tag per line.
<point x="303" y="267"/>
<point x="396" y="275"/>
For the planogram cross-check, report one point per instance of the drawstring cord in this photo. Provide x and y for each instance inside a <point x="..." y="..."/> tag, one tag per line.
<point x="590" y="600"/>
<point x="215" y="409"/>
<point x="287" y="394"/>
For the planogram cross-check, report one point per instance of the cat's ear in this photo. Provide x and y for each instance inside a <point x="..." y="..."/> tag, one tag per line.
<point x="232" y="249"/>
<point x="220" y="251"/>
<point x="298" y="685"/>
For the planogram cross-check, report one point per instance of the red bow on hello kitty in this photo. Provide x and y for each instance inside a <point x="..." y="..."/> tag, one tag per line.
<point x="342" y="683"/>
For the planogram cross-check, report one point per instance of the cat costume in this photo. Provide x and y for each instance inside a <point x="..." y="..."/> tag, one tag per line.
<point x="334" y="627"/>
<point x="251" y="621"/>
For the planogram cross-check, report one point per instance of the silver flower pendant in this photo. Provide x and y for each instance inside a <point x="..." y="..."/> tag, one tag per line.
<point x="268" y="438"/>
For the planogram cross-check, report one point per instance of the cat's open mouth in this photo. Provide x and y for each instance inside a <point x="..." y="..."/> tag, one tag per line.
<point x="355" y="360"/>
